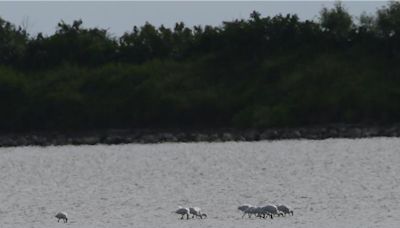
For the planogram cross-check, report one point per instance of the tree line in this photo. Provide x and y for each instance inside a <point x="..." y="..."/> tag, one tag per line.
<point x="258" y="72"/>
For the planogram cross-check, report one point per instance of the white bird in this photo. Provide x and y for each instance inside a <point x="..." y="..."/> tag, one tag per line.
<point x="271" y="210"/>
<point x="258" y="212"/>
<point x="252" y="211"/>
<point x="183" y="211"/>
<point x="196" y="211"/>
<point x="62" y="215"/>
<point x="244" y="208"/>
<point x="285" y="209"/>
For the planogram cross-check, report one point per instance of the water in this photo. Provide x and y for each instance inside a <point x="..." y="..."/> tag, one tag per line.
<point x="329" y="183"/>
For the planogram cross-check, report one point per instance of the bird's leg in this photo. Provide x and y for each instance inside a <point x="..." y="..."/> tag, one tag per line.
<point x="182" y="216"/>
<point x="58" y="220"/>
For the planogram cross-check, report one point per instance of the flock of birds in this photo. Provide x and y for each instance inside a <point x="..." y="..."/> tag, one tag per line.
<point x="269" y="210"/>
<point x="194" y="211"/>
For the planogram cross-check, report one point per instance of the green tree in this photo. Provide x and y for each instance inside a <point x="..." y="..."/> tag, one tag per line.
<point x="12" y="43"/>
<point x="71" y="44"/>
<point x="388" y="20"/>
<point x="336" y="21"/>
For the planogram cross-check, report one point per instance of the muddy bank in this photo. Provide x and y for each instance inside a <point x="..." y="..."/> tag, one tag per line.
<point x="209" y="135"/>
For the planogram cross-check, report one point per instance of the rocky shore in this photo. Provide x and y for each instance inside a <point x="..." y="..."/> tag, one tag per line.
<point x="210" y="135"/>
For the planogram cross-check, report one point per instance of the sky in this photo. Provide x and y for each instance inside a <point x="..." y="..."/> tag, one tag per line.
<point x="120" y="17"/>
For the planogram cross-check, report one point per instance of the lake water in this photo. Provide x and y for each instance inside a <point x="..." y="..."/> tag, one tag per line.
<point x="328" y="183"/>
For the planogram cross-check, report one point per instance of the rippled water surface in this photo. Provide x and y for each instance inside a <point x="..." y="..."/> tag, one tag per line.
<point x="329" y="183"/>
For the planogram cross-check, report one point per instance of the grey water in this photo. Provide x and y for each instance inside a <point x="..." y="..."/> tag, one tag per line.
<point x="328" y="183"/>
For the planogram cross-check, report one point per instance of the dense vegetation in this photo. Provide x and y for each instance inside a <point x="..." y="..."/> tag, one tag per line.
<point x="261" y="72"/>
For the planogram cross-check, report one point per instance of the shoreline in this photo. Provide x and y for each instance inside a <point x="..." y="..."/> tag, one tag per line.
<point x="146" y="136"/>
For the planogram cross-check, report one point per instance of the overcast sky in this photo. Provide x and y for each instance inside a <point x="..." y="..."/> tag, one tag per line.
<point x="119" y="17"/>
